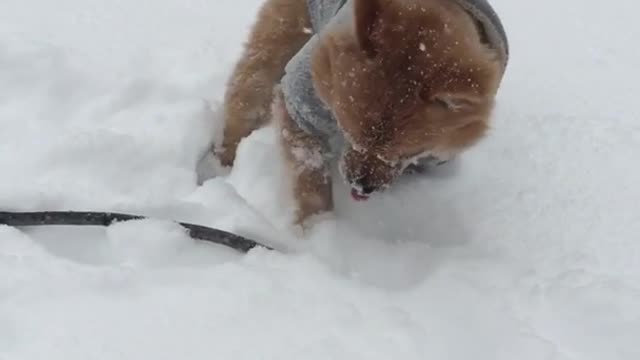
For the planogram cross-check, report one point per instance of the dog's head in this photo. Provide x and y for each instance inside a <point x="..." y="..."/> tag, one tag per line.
<point x="411" y="77"/>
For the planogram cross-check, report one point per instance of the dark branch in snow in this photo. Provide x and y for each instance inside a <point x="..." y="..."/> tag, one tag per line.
<point x="90" y="218"/>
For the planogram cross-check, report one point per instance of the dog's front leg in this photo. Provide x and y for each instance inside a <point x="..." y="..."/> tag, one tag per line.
<point x="278" y="34"/>
<point x="307" y="163"/>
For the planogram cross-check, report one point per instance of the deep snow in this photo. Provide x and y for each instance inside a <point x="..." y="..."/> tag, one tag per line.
<point x="526" y="248"/>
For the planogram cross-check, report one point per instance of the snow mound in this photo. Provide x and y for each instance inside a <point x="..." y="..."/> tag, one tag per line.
<point x="526" y="247"/>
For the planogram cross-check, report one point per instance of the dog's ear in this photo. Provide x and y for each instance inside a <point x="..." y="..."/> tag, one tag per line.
<point x="367" y="14"/>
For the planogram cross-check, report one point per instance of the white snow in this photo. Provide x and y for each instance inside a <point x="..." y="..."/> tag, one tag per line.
<point x="526" y="248"/>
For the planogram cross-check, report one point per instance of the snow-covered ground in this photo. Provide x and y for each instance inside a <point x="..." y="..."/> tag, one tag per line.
<point x="527" y="248"/>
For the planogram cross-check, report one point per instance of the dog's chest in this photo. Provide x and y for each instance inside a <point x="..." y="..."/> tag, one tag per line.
<point x="322" y="11"/>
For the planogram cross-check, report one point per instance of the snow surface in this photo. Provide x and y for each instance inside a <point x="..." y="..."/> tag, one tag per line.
<point x="528" y="247"/>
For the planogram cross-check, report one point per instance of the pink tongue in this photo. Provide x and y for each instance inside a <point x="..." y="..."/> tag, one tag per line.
<point x="357" y="196"/>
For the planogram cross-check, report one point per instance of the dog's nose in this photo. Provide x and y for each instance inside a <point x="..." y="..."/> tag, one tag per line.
<point x="367" y="190"/>
<point x="365" y="186"/>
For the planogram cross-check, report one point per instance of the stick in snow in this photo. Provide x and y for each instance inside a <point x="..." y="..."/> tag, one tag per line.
<point x="91" y="218"/>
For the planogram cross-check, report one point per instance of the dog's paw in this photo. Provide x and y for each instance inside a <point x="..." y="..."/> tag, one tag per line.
<point x="226" y="155"/>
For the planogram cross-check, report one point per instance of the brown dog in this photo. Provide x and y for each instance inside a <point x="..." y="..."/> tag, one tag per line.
<point x="399" y="80"/>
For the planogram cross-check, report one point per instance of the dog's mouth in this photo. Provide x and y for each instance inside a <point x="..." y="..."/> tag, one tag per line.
<point x="359" y="196"/>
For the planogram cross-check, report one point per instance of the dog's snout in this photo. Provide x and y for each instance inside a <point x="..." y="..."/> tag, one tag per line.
<point x="367" y="190"/>
<point x="366" y="173"/>
<point x="365" y="185"/>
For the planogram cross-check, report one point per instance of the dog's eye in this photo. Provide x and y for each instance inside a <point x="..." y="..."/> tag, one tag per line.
<point x="441" y="103"/>
<point x="449" y="103"/>
<point x="387" y="160"/>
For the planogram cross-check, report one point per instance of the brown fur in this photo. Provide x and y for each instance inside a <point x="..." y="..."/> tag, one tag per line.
<point x="279" y="32"/>
<point x="415" y="77"/>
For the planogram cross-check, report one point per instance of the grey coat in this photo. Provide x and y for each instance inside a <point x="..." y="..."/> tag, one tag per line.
<point x="302" y="103"/>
